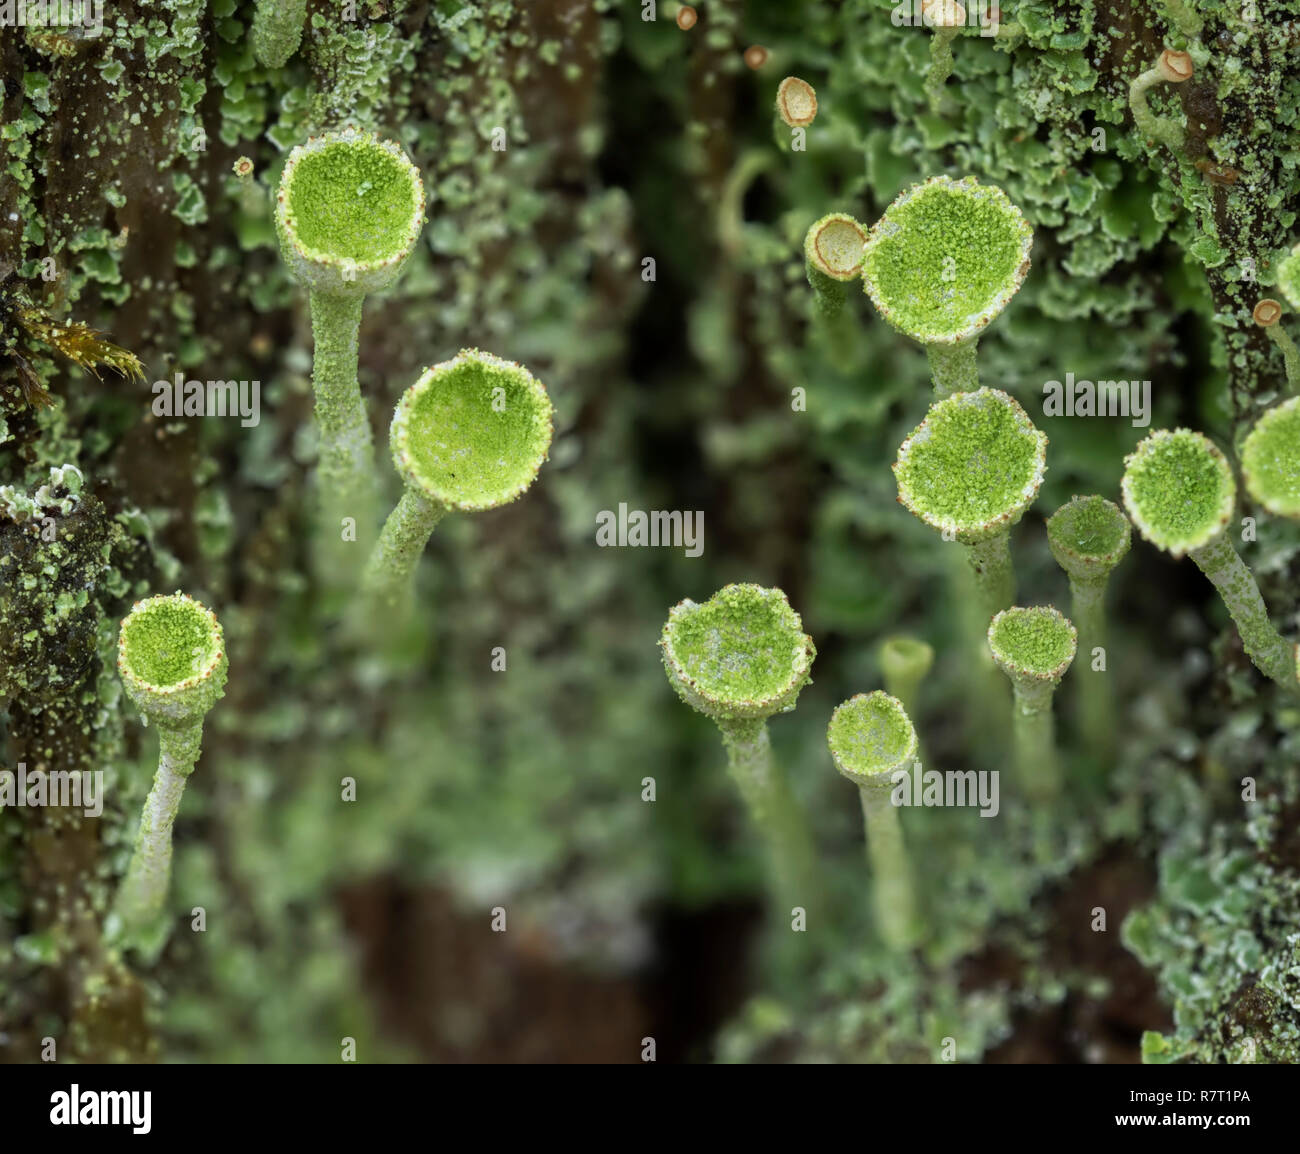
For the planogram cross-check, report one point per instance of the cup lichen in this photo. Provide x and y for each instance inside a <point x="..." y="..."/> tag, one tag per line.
<point x="941" y="264"/>
<point x="796" y="102"/>
<point x="833" y="258"/>
<point x="469" y="435"/>
<point x="1034" y="647"/>
<point x="172" y="662"/>
<point x="739" y="658"/>
<point x="904" y="664"/>
<point x="1267" y="314"/>
<point x="872" y="741"/>
<point x="1171" y="67"/>
<point x="1180" y="493"/>
<point x="1270" y="460"/>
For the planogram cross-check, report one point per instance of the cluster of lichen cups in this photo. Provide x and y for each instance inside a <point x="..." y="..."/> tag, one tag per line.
<point x="172" y="662"/>
<point x="469" y="435"/>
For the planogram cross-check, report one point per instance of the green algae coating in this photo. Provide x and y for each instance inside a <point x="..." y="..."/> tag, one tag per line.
<point x="1089" y="536"/>
<point x="870" y="734"/>
<point x="353" y="202"/>
<point x="946" y="258"/>
<point x="973" y="466"/>
<point x="742" y="653"/>
<point x="833" y="246"/>
<point x="472" y="432"/>
<point x="1288" y="277"/>
<point x="1270" y="460"/>
<point x="1179" y="490"/>
<point x="1039" y="643"/>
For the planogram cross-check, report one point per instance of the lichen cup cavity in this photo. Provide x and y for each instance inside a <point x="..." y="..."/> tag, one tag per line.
<point x="944" y="260"/>
<point x="1089" y="537"/>
<point x="796" y="102"/>
<point x="872" y="741"/>
<point x="348" y="212"/>
<point x="970" y="470"/>
<point x="1270" y="460"/>
<point x="172" y="661"/>
<point x="833" y="258"/>
<point x="739" y="658"/>
<point x="904" y="663"/>
<point x="469" y="435"/>
<point x="1034" y="648"/>
<point x="1179" y="490"/>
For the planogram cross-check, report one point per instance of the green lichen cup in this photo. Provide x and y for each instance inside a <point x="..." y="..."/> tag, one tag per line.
<point x="739" y="658"/>
<point x="172" y="659"/>
<point x="348" y="212"/>
<point x="1034" y="647"/>
<point x="872" y="742"/>
<point x="1288" y="277"/>
<point x="742" y="655"/>
<point x="470" y="435"/>
<point x="1270" y="460"/>
<point x="941" y="264"/>
<point x="832" y="251"/>
<point x="904" y="664"/>
<point x="1179" y="490"/>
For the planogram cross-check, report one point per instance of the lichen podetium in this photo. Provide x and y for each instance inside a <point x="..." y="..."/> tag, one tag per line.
<point x="941" y="264"/>
<point x="172" y="661"/>
<point x="469" y="435"/>
<point x="1034" y="647"/>
<point x="872" y="740"/>
<point x="739" y="658"/>
<point x="1180" y="492"/>
<point x="348" y="212"/>
<point x="1270" y="460"/>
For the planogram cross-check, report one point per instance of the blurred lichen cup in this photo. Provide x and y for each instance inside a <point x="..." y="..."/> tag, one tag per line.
<point x="1180" y="492"/>
<point x="833" y="259"/>
<point x="348" y="212"/>
<point x="941" y="264"/>
<point x="970" y="470"/>
<point x="1270" y="460"/>
<point x="739" y="658"/>
<point x="1034" y="648"/>
<point x="872" y="742"/>
<point x="471" y="434"/>
<point x="1288" y="277"/>
<point x="172" y="661"/>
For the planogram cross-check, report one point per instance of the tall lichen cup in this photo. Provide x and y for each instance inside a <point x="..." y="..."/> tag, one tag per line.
<point x="739" y="658"/>
<point x="348" y="212"/>
<point x="970" y="470"/>
<point x="1270" y="460"/>
<point x="941" y="264"/>
<point x="171" y="657"/>
<point x="904" y="663"/>
<point x="1034" y="648"/>
<point x="1089" y="537"/>
<point x="872" y="741"/>
<point x="469" y="435"/>
<point x="1180" y="492"/>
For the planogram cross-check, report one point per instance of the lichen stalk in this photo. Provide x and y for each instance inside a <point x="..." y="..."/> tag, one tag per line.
<point x="953" y="367"/>
<point x="389" y="572"/>
<point x="893" y="891"/>
<point x="995" y="577"/>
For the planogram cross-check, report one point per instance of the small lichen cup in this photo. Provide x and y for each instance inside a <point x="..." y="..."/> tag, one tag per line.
<point x="471" y="434"/>
<point x="172" y="661"/>
<point x="941" y="264"/>
<point x="348" y="212"/>
<point x="1089" y="537"/>
<point x="1270" y="460"/>
<point x="970" y="469"/>
<point x="832" y="251"/>
<point x="904" y="664"/>
<point x="1268" y="315"/>
<point x="1170" y="68"/>
<point x="872" y="741"/>
<point x="739" y="658"/>
<point x="796" y="102"/>
<point x="1034" y="648"/>
<point x="1180" y="493"/>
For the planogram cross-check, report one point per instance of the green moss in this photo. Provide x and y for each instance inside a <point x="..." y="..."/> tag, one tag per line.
<point x="1038" y="642"/>
<point x="870" y="734"/>
<point x="1179" y="490"/>
<point x="946" y="258"/>
<point x="973" y="466"/>
<point x="1270" y="460"/>
<point x="743" y="652"/>
<point x="472" y="432"/>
